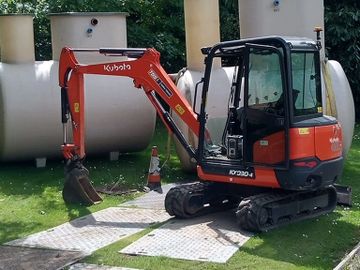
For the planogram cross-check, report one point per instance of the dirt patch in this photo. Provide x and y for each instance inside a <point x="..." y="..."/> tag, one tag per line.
<point x="116" y="189"/>
<point x="21" y="258"/>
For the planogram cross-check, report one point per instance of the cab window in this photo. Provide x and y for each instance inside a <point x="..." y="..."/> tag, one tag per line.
<point x="306" y="84"/>
<point x="265" y="82"/>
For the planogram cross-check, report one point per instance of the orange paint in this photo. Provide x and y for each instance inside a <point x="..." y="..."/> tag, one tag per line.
<point x="270" y="149"/>
<point x="302" y="143"/>
<point x="76" y="97"/>
<point x="328" y="142"/>
<point x="323" y="142"/>
<point x="264" y="178"/>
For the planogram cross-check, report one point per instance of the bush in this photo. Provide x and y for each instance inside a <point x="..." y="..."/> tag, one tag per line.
<point x="160" y="24"/>
<point x="342" y="34"/>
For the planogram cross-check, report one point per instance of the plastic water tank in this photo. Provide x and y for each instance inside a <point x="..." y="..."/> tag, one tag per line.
<point x="219" y="91"/>
<point x="345" y="108"/>
<point x="119" y="118"/>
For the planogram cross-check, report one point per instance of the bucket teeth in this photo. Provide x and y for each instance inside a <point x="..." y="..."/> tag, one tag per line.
<point x="77" y="186"/>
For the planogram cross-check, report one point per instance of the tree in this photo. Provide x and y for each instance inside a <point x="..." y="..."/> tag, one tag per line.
<point x="151" y="23"/>
<point x="156" y="24"/>
<point x="160" y="24"/>
<point x="229" y="20"/>
<point x="342" y="33"/>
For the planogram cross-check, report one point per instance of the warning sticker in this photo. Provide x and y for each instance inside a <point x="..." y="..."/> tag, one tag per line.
<point x="180" y="109"/>
<point x="76" y="107"/>
<point x="162" y="85"/>
<point x="264" y="142"/>
<point x="304" y="131"/>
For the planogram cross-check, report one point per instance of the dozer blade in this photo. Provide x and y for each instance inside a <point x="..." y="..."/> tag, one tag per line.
<point x="344" y="195"/>
<point x="77" y="186"/>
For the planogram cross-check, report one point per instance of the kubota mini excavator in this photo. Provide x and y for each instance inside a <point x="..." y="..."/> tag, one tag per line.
<point x="278" y="157"/>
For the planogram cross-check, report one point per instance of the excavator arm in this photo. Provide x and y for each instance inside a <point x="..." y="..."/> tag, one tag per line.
<point x="147" y="73"/>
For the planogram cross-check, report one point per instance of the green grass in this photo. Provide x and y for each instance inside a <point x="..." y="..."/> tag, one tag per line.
<point x="30" y="201"/>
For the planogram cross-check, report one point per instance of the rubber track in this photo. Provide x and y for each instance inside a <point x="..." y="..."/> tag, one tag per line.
<point x="249" y="209"/>
<point x="179" y="200"/>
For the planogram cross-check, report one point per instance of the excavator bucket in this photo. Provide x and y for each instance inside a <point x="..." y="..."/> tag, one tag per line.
<point x="77" y="186"/>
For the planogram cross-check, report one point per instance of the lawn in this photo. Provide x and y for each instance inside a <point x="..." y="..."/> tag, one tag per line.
<point x="30" y="201"/>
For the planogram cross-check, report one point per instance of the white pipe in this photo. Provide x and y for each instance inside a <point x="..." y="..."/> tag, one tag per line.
<point x="88" y="30"/>
<point x="202" y="26"/>
<point x="17" y="38"/>
<point x="202" y="29"/>
<point x="286" y="18"/>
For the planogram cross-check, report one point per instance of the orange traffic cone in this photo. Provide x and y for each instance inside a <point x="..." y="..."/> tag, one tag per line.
<point x="154" y="181"/>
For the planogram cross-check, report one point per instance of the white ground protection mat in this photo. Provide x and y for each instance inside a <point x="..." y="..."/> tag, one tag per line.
<point x="85" y="266"/>
<point x="212" y="238"/>
<point x="150" y="200"/>
<point x="94" y="231"/>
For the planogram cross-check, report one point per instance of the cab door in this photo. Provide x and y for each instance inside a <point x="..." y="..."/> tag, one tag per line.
<point x="265" y="103"/>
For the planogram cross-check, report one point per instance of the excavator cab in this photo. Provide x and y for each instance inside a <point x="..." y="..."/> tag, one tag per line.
<point x="276" y="87"/>
<point x="256" y="111"/>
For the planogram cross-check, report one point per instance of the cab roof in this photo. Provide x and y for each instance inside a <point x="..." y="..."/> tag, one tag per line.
<point x="287" y="42"/>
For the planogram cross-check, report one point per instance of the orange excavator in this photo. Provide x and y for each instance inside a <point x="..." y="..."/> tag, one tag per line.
<point x="278" y="158"/>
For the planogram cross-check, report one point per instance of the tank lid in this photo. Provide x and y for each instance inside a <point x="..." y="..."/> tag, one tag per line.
<point x="89" y="14"/>
<point x="16" y="14"/>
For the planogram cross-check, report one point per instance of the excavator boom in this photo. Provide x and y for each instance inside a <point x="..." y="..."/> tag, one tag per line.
<point x="147" y="74"/>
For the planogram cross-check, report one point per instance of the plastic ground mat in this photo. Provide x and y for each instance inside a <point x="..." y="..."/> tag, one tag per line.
<point x="211" y="238"/>
<point x="86" y="266"/>
<point x="92" y="232"/>
<point x="151" y="200"/>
